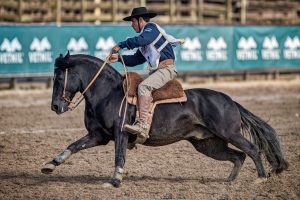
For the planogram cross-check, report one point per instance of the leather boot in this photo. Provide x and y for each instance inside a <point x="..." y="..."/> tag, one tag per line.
<point x="141" y="127"/>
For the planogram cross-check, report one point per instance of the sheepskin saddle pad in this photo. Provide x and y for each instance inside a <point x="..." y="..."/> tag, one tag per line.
<point x="171" y="91"/>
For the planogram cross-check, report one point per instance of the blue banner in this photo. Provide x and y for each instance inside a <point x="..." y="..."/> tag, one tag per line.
<point x="31" y="50"/>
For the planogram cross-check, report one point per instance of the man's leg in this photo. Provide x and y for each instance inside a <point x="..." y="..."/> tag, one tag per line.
<point x="141" y="127"/>
<point x="155" y="81"/>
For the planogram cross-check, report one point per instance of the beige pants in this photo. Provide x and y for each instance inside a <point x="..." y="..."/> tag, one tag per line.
<point x="157" y="79"/>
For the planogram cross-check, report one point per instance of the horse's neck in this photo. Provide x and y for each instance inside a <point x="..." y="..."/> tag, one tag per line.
<point x="108" y="83"/>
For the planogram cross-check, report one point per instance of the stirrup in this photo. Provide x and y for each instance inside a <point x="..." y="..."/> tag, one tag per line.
<point x="140" y="131"/>
<point x="128" y="129"/>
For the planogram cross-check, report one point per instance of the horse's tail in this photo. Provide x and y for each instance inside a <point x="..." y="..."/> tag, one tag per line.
<point x="263" y="135"/>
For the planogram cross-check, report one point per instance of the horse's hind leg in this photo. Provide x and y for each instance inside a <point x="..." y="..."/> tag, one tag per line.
<point x="85" y="142"/>
<point x="219" y="150"/>
<point x="251" y="150"/>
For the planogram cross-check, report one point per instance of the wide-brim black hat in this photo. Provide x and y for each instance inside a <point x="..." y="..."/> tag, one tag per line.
<point x="140" y="12"/>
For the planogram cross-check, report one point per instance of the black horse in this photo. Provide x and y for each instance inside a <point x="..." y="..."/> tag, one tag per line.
<point x="206" y="111"/>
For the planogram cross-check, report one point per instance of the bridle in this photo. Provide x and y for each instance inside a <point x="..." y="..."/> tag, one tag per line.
<point x="65" y="86"/>
<point x="72" y="105"/>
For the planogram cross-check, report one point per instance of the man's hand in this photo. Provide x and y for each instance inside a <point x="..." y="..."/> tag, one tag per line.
<point x="113" y="58"/>
<point x="115" y="49"/>
<point x="114" y="54"/>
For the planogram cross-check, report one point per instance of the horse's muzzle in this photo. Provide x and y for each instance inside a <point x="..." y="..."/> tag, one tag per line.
<point x="59" y="109"/>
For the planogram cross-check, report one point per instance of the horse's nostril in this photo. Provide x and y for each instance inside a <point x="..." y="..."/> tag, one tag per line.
<point x="54" y="107"/>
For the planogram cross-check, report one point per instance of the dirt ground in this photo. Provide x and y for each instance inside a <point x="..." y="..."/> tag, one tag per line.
<point x="31" y="134"/>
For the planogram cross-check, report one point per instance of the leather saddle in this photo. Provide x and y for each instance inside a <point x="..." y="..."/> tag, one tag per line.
<point x="171" y="92"/>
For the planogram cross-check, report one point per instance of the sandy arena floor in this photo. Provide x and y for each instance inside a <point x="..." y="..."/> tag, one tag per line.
<point x="31" y="134"/>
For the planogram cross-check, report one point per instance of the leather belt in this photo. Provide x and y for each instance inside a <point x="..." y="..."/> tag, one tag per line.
<point x="162" y="64"/>
<point x="167" y="62"/>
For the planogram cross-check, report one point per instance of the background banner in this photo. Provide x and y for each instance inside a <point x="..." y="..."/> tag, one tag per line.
<point x="265" y="47"/>
<point x="31" y="50"/>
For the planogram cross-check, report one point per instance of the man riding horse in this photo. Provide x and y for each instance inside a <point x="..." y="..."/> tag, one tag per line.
<point x="154" y="47"/>
<point x="208" y="119"/>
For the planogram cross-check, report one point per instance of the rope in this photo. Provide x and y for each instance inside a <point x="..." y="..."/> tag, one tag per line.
<point x="65" y="86"/>
<point x="126" y="93"/>
<point x="79" y="99"/>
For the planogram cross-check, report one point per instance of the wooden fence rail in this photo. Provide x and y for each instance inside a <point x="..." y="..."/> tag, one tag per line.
<point x="170" y="11"/>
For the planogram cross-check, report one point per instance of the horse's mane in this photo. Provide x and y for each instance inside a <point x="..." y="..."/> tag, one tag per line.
<point x="70" y="61"/>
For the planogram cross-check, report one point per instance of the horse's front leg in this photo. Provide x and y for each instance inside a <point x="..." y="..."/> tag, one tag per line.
<point x="121" y="141"/>
<point x="88" y="141"/>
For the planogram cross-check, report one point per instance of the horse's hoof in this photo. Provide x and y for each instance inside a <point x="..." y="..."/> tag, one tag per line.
<point x="107" y="185"/>
<point x="116" y="182"/>
<point x="131" y="146"/>
<point x="260" y="180"/>
<point x="48" y="168"/>
<point x="229" y="179"/>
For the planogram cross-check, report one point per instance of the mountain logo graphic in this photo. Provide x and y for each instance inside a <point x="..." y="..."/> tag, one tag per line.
<point x="40" y="45"/>
<point x="105" y="44"/>
<point x="10" y="52"/>
<point x="270" y="43"/>
<point x="291" y="49"/>
<point x="270" y="49"/>
<point x="247" y="49"/>
<point x="216" y="49"/>
<point x="12" y="46"/>
<point x="216" y="44"/>
<point x="77" y="46"/>
<point x="191" y="44"/>
<point x="292" y="43"/>
<point x="247" y="44"/>
<point x="191" y="50"/>
<point x="40" y="51"/>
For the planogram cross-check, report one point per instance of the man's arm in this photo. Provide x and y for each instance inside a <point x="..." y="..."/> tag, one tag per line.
<point x="133" y="60"/>
<point x="148" y="35"/>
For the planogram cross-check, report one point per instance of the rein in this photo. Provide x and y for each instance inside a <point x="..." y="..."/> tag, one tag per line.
<point x="73" y="105"/>
<point x="126" y="94"/>
<point x="65" y="85"/>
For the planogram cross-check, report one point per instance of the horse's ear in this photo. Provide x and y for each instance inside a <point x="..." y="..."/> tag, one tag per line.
<point x="62" y="61"/>
<point x="67" y="55"/>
